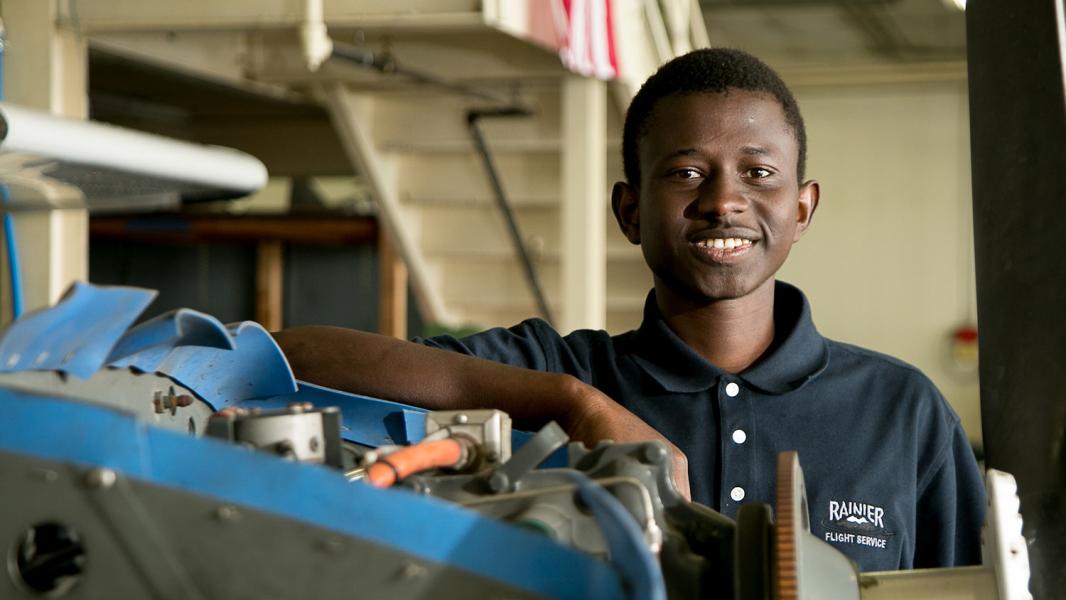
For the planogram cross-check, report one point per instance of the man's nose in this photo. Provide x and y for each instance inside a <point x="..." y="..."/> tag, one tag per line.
<point x="721" y="195"/>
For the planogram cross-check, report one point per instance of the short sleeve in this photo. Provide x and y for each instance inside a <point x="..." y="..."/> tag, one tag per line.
<point x="951" y="509"/>
<point x="531" y="344"/>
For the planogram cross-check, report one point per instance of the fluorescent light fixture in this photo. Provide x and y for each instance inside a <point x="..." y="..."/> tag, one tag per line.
<point x="48" y="161"/>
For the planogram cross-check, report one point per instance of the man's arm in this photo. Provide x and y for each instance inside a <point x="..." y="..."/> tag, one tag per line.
<point x="384" y="367"/>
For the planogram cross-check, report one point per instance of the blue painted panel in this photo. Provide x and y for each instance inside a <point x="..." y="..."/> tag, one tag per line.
<point x="76" y="335"/>
<point x="364" y="420"/>
<point x="180" y="327"/>
<point x="94" y="436"/>
<point x="255" y="368"/>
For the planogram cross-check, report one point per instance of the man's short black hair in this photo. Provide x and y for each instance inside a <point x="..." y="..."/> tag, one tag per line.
<point x="707" y="70"/>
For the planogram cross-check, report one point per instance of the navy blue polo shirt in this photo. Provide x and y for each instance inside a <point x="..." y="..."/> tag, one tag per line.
<point x="891" y="479"/>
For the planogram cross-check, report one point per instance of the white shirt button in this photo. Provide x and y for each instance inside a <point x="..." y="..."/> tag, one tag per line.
<point x="732" y="389"/>
<point x="739" y="436"/>
<point x="737" y="494"/>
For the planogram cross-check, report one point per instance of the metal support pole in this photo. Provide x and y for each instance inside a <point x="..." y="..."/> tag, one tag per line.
<point x="504" y="204"/>
<point x="46" y="69"/>
<point x="583" y="207"/>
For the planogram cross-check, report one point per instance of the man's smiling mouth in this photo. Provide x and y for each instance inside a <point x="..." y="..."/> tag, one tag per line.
<point x="725" y="243"/>
<point x="723" y="250"/>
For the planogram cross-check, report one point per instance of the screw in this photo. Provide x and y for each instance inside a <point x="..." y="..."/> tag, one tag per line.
<point x="228" y="513"/>
<point x="100" y="479"/>
<point x="314" y="444"/>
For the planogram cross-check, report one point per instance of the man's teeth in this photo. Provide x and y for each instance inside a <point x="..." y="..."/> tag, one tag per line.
<point x="727" y="243"/>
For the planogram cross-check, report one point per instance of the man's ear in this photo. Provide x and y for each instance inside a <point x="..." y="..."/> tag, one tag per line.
<point x="626" y="208"/>
<point x="809" y="193"/>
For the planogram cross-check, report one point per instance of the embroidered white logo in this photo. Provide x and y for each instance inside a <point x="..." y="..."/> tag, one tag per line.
<point x="856" y="512"/>
<point x="859" y="523"/>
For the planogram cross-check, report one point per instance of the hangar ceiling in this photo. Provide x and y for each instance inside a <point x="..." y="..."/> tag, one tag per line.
<point x="830" y="32"/>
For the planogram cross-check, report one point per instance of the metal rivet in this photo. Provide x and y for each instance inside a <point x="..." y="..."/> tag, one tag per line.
<point x="228" y="513"/>
<point x="332" y="545"/>
<point x="412" y="570"/>
<point x="46" y="475"/>
<point x="460" y="418"/>
<point x="100" y="478"/>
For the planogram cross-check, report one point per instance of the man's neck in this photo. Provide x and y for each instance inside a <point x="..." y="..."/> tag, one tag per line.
<point x="730" y="334"/>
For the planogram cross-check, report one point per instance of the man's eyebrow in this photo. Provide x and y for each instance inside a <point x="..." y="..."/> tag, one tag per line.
<point x="749" y="150"/>
<point x="683" y="152"/>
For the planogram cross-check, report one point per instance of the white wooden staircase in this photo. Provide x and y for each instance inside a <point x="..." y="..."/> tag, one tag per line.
<point x="409" y="141"/>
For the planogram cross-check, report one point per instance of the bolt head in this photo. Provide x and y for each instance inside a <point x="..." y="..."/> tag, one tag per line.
<point x="653" y="453"/>
<point x="498" y="482"/>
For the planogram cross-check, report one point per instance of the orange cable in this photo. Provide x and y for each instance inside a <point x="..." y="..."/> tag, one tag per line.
<point x="414" y="459"/>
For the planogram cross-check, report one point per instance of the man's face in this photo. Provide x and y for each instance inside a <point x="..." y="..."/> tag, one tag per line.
<point x="719" y="205"/>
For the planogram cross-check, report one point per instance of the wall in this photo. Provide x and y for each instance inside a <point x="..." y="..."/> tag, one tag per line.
<point x="888" y="262"/>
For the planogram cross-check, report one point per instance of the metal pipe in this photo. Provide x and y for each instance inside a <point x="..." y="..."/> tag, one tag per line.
<point x="314" y="40"/>
<point x="504" y="204"/>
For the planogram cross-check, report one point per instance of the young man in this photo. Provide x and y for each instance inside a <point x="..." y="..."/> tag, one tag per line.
<point x="727" y="365"/>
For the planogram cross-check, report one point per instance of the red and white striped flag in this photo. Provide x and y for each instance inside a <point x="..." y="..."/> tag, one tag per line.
<point x="583" y="35"/>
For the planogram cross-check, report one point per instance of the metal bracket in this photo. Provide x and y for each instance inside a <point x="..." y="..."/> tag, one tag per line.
<point x="549" y="439"/>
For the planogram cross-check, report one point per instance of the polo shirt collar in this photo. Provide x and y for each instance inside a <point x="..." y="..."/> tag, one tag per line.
<point x="801" y="353"/>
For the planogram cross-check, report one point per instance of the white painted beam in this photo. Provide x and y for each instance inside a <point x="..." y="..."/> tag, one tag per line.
<point x="352" y="115"/>
<point x="584" y="192"/>
<point x="141" y="15"/>
<point x="45" y="68"/>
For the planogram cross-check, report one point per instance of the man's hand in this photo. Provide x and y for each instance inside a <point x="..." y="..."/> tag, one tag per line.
<point x="597" y="417"/>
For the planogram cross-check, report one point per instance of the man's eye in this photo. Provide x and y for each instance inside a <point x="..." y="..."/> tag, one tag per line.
<point x="687" y="174"/>
<point x="759" y="172"/>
